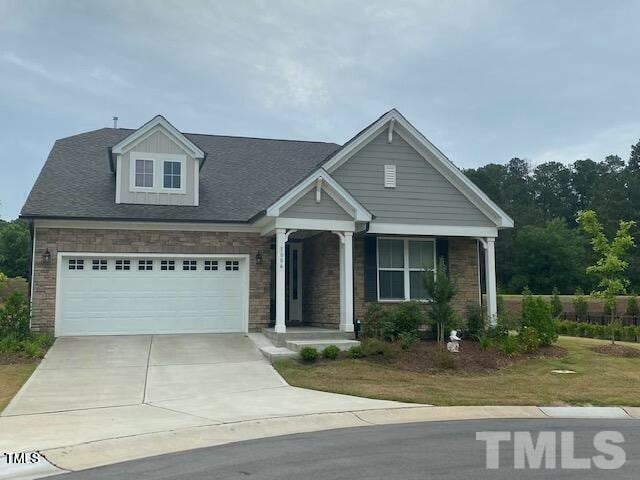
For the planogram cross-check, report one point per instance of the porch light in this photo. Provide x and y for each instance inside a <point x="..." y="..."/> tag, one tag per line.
<point x="259" y="258"/>
<point x="46" y="257"/>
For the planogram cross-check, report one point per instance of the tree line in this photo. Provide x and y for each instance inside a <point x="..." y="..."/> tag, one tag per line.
<point x="546" y="249"/>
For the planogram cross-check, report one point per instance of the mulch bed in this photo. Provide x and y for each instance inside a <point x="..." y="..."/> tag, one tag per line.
<point x="617" y="350"/>
<point x="429" y="357"/>
<point x="15" y="358"/>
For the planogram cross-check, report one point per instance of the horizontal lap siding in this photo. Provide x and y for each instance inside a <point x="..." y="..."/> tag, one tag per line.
<point x="422" y="195"/>
<point x="307" y="207"/>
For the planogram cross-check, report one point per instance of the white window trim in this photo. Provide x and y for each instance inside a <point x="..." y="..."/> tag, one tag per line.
<point x="158" y="160"/>
<point x="406" y="269"/>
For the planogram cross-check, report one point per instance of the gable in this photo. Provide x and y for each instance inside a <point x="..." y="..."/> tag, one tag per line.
<point x="308" y="207"/>
<point x="422" y="194"/>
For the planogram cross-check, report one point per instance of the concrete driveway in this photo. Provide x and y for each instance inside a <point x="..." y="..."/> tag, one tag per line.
<point x="89" y="389"/>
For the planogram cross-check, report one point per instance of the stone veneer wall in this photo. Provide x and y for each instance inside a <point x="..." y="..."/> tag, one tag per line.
<point x="463" y="267"/>
<point x="321" y="281"/>
<point x="148" y="241"/>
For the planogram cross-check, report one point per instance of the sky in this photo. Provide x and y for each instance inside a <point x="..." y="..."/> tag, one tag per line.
<point x="485" y="81"/>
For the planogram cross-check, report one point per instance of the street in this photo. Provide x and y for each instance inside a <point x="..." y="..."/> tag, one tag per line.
<point x="442" y="450"/>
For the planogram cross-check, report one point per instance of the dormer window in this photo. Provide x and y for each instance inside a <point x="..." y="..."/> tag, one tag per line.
<point x="172" y="174"/>
<point x="144" y="173"/>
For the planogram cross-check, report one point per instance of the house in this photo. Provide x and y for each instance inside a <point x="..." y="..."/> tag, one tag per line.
<point x="158" y="231"/>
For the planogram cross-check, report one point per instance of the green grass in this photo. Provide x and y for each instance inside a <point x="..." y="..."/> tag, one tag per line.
<point x="600" y="380"/>
<point x="12" y="377"/>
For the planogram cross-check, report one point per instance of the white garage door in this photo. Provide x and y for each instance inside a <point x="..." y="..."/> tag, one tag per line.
<point x="107" y="295"/>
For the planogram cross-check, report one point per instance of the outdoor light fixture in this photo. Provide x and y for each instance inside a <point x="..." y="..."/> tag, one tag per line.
<point x="259" y="258"/>
<point x="46" y="257"/>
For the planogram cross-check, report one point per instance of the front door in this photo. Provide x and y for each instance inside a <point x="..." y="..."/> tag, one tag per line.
<point x="295" y="282"/>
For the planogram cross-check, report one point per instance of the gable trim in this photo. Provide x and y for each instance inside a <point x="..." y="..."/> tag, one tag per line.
<point x="343" y="198"/>
<point x="424" y="147"/>
<point x="148" y="127"/>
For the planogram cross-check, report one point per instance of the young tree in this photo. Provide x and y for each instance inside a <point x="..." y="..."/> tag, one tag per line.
<point x="610" y="266"/>
<point x="580" y="305"/>
<point x="441" y="291"/>
<point x="556" y="303"/>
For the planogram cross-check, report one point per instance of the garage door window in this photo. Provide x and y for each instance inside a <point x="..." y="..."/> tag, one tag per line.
<point x="211" y="265"/>
<point x="145" y="265"/>
<point x="99" y="264"/>
<point x="232" y="265"/>
<point x="76" y="264"/>
<point x="123" y="264"/>
<point x="167" y="264"/>
<point x="189" y="264"/>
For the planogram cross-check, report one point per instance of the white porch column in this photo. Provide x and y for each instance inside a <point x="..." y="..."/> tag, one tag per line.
<point x="346" y="323"/>
<point x="281" y="239"/>
<point x="490" y="275"/>
<point x="343" y="313"/>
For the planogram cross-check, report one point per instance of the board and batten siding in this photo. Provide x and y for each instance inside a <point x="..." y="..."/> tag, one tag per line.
<point x="157" y="142"/>
<point x="307" y="207"/>
<point x="421" y="196"/>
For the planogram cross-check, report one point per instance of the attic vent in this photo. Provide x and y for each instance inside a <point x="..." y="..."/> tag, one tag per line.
<point x="390" y="176"/>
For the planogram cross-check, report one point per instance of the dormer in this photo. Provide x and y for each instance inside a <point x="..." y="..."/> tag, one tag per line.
<point x="157" y="165"/>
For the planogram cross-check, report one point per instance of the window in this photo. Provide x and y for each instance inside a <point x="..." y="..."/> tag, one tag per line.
<point x="144" y="173"/>
<point x="232" y="265"/>
<point x="99" y="265"/>
<point x="123" y="264"/>
<point x="167" y="264"/>
<point x="171" y="174"/>
<point x="211" y="265"/>
<point x="76" y="264"/>
<point x="401" y="266"/>
<point x="390" y="176"/>
<point x="189" y="264"/>
<point x="145" y="265"/>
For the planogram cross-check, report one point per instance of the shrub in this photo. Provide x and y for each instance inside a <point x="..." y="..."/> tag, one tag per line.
<point x="442" y="358"/>
<point x="556" y="303"/>
<point x="407" y="339"/>
<point x="374" y="347"/>
<point x="475" y="319"/>
<point x="498" y="332"/>
<point x="309" y="354"/>
<point x="583" y="330"/>
<point x="528" y="339"/>
<point x="375" y="316"/>
<point x="388" y="331"/>
<point x="536" y="313"/>
<point x="15" y="316"/>
<point x="580" y="305"/>
<point x="509" y="321"/>
<point x="509" y="346"/>
<point x="10" y="344"/>
<point x="629" y="333"/>
<point x="355" y="352"/>
<point x="331" y="352"/>
<point x="484" y="341"/>
<point x="632" y="306"/>
<point x="408" y="317"/>
<point x="561" y="327"/>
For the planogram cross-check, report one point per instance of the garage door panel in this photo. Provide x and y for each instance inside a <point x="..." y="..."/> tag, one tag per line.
<point x="110" y="301"/>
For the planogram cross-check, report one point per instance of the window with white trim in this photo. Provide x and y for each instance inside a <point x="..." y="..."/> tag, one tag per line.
<point x="99" y="264"/>
<point x="144" y="173"/>
<point x="145" y="265"/>
<point x="167" y="265"/>
<point x="189" y="265"/>
<point x="171" y="174"/>
<point x="123" y="264"/>
<point x="401" y="266"/>
<point x="232" y="265"/>
<point x="76" y="264"/>
<point x="211" y="265"/>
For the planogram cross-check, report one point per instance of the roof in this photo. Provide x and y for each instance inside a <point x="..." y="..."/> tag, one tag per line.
<point x="240" y="179"/>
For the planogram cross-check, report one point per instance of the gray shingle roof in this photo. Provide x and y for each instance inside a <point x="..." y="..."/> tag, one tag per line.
<point x="240" y="178"/>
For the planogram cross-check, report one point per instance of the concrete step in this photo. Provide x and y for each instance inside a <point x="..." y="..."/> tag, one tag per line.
<point x="304" y="333"/>
<point x="273" y="354"/>
<point x="321" y="343"/>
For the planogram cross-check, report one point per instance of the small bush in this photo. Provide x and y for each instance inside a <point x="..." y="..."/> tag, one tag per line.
<point x="407" y="339"/>
<point x="556" y="303"/>
<point x="580" y="305"/>
<point x="15" y="316"/>
<point x="509" y="321"/>
<point x="536" y="313"/>
<point x="408" y="317"/>
<point x="331" y="352"/>
<point x="10" y="344"/>
<point x="309" y="354"/>
<point x="632" y="306"/>
<point x="475" y="319"/>
<point x="443" y="358"/>
<point x="485" y="342"/>
<point x="375" y="316"/>
<point x="629" y="334"/>
<point x="528" y="339"/>
<point x="388" y="330"/>
<point x="374" y="346"/>
<point x="355" y="352"/>
<point x="509" y="346"/>
<point x="498" y="332"/>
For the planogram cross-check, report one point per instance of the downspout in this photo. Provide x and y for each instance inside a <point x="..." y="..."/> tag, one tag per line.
<point x="32" y="231"/>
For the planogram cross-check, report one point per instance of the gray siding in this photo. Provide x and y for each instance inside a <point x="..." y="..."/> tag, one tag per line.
<point x="422" y="195"/>
<point x="157" y="142"/>
<point x="307" y="207"/>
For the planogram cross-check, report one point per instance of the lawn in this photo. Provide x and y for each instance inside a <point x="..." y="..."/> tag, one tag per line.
<point x="12" y="377"/>
<point x="599" y="380"/>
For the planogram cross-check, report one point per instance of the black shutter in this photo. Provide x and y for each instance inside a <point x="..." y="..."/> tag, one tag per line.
<point x="370" y="269"/>
<point x="442" y="251"/>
